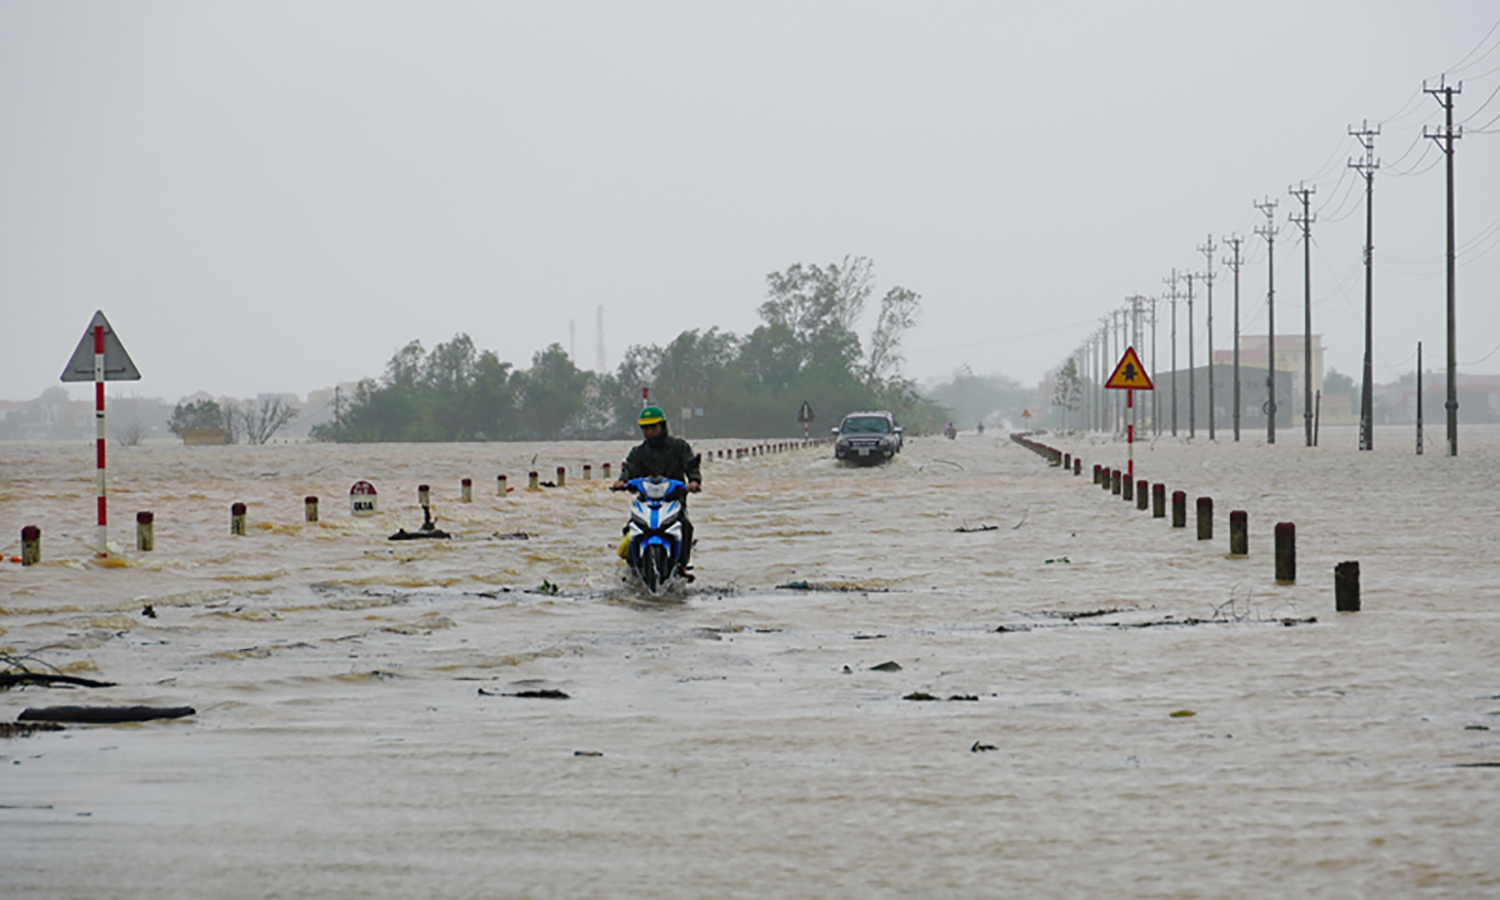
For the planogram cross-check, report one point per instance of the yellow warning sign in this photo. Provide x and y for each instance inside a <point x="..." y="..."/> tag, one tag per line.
<point x="1130" y="374"/>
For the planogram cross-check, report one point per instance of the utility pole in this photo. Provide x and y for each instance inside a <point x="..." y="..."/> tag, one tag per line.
<point x="1304" y="193"/>
<point x="1367" y="168"/>
<point x="1269" y="233"/>
<point x="1192" y="370"/>
<point x="1208" y="279"/>
<point x="1445" y="139"/>
<point x="1419" y="398"/>
<point x="1155" y="399"/>
<point x="1172" y="282"/>
<point x="1234" y="263"/>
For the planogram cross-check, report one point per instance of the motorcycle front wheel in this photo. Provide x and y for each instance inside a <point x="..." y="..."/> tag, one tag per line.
<point x="656" y="567"/>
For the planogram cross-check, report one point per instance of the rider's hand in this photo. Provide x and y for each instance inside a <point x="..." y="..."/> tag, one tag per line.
<point x="694" y="487"/>
<point x="617" y="486"/>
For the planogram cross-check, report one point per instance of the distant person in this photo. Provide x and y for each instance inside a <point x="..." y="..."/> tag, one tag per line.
<point x="980" y="427"/>
<point x="667" y="456"/>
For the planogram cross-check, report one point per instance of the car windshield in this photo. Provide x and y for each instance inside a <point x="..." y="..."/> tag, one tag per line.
<point x="867" y="425"/>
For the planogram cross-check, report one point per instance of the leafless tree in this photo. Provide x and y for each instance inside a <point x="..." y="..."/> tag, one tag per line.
<point x="257" y="421"/>
<point x="130" y="433"/>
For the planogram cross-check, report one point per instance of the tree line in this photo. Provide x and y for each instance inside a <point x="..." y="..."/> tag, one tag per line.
<point x="806" y="349"/>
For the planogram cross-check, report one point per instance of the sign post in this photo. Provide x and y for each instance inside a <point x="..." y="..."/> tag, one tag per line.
<point x="100" y="357"/>
<point x="1130" y="376"/>
<point x="805" y="416"/>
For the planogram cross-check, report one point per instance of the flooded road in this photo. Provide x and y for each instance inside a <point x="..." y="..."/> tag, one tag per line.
<point x="358" y="731"/>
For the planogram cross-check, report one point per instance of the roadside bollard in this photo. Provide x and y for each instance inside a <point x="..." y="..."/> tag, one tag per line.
<point x="1096" y="473"/>
<point x="1077" y="466"/>
<point x="606" y="471"/>
<point x="588" y="472"/>
<point x="1158" y="500"/>
<point x="1286" y="553"/>
<point x="1127" y="487"/>
<point x="424" y="496"/>
<point x="466" y="490"/>
<point x="145" y="532"/>
<point x="1179" y="509"/>
<point x="1068" y="461"/>
<point x="1142" y="495"/>
<point x="562" y="477"/>
<point x="1205" y="518"/>
<point x="500" y="487"/>
<point x="1114" y="482"/>
<point x="1239" y="533"/>
<point x="531" y="484"/>
<point x="310" y="508"/>
<point x="31" y="545"/>
<point x="1346" y="587"/>
<point x="237" y="519"/>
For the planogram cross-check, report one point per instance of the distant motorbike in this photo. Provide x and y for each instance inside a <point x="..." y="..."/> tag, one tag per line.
<point x="654" y="534"/>
<point x="950" y="432"/>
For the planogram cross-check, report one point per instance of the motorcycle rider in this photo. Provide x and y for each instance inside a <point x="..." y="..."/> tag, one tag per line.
<point x="667" y="456"/>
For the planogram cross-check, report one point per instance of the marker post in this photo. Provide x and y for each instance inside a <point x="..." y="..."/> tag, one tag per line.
<point x="1130" y="376"/>
<point x="100" y="357"/>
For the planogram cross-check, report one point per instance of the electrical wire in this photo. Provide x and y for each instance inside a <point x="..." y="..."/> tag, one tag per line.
<point x="1465" y="62"/>
<point x="1482" y="358"/>
<point x="1482" y="105"/>
<point x="1414" y="170"/>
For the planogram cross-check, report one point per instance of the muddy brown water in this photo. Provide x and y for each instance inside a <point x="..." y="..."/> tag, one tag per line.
<point x="738" y="739"/>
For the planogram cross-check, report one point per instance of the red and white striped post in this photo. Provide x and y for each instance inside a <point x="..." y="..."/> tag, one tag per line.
<point x="99" y="429"/>
<point x="1130" y="433"/>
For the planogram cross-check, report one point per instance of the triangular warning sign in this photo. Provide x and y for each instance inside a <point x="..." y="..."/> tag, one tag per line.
<point x="1130" y="374"/>
<point x="117" y="364"/>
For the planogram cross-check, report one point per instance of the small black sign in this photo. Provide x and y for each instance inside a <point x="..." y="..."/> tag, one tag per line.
<point x="805" y="414"/>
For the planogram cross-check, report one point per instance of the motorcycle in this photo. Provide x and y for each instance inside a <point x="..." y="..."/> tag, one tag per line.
<point x="653" y="538"/>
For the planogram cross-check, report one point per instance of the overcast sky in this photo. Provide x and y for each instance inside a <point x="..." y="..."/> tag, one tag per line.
<point x="277" y="196"/>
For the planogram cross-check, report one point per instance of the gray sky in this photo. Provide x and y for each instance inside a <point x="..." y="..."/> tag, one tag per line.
<point x="276" y="196"/>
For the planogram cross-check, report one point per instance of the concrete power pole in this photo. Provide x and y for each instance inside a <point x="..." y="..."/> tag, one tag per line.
<point x="1304" y="193"/>
<point x="1192" y="369"/>
<point x="1208" y="280"/>
<point x="1269" y="233"/>
<point x="1234" y="263"/>
<point x="1367" y="168"/>
<point x="1172" y="296"/>
<point x="1445" y="139"/>
<point x="1155" y="395"/>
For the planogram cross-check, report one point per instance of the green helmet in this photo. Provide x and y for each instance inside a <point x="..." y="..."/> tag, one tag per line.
<point x="651" y="415"/>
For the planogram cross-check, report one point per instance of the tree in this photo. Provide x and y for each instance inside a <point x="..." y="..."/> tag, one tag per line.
<point x="1068" y="389"/>
<point x="898" y="313"/>
<point x="202" y="414"/>
<point x="257" y="421"/>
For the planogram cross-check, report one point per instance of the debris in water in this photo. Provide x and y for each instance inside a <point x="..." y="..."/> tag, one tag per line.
<point x="588" y="752"/>
<point x="980" y="748"/>
<point x="149" y="611"/>
<point x="888" y="666"/>
<point x="513" y="536"/>
<point x="868" y="637"/>
<point x="545" y="694"/>
<point x="105" y="715"/>
<point x="1182" y="713"/>
<point x="967" y="530"/>
<point x="919" y="695"/>
<point x="1060" y="559"/>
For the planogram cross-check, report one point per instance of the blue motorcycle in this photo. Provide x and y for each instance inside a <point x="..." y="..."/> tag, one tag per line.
<point x="654" y="535"/>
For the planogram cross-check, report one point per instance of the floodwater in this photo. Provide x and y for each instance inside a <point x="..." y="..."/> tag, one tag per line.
<point x="357" y="732"/>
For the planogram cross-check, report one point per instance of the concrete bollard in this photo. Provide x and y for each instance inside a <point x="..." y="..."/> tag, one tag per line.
<point x="1114" y="481"/>
<point x="466" y="490"/>
<point x="310" y="508"/>
<point x="1239" y="533"/>
<point x="1179" y="509"/>
<point x="1158" y="500"/>
<point x="531" y="482"/>
<point x="1068" y="461"/>
<point x="1346" y="587"/>
<point x="424" y="496"/>
<point x="606" y="471"/>
<point x="1205" y="518"/>
<point x="588" y="472"/>
<point x="31" y="545"/>
<point x="237" y="519"/>
<point x="1077" y="466"/>
<point x="1096" y="473"/>
<point x="562" y="476"/>
<point x="145" y="532"/>
<point x="1286" y="553"/>
<point x="1142" y="494"/>
<point x="501" y="489"/>
<point x="1127" y="487"/>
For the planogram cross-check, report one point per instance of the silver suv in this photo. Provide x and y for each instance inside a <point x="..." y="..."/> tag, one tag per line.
<point x="867" y="438"/>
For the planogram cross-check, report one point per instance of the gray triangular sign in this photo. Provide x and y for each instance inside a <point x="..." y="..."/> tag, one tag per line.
<point x="117" y="364"/>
